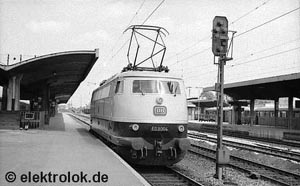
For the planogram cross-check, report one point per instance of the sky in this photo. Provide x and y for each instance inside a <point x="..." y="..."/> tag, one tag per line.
<point x="267" y="42"/>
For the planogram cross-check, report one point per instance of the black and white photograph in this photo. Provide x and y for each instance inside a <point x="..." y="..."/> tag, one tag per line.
<point x="149" y="92"/>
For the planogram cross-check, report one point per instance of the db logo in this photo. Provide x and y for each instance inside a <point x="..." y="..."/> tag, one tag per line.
<point x="160" y="110"/>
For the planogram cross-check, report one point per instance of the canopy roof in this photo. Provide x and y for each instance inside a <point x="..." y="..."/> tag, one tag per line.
<point x="59" y="73"/>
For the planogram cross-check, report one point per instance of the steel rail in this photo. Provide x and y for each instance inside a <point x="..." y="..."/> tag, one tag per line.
<point x="254" y="148"/>
<point x="265" y="172"/>
<point x="165" y="176"/>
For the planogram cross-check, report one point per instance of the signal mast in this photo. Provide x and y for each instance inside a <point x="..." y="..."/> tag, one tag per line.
<point x="220" y="49"/>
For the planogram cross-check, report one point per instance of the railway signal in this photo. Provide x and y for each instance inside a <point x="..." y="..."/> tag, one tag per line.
<point x="220" y="49"/>
<point x="220" y="36"/>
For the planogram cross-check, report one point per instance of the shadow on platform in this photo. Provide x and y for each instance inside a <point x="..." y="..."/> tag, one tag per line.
<point x="56" y="123"/>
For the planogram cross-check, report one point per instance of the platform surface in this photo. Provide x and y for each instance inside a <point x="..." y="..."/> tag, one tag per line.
<point x="65" y="148"/>
<point x="262" y="131"/>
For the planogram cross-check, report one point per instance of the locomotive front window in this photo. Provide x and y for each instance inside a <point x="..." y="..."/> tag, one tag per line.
<point x="144" y="86"/>
<point x="169" y="87"/>
<point x="155" y="86"/>
<point x="119" y="87"/>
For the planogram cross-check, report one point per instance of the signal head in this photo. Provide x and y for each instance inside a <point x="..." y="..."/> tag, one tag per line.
<point x="220" y="36"/>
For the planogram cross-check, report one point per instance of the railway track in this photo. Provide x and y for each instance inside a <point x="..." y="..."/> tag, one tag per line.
<point x="161" y="176"/>
<point x="286" y="154"/>
<point x="165" y="176"/>
<point x="158" y="176"/>
<point x="261" y="139"/>
<point x="272" y="174"/>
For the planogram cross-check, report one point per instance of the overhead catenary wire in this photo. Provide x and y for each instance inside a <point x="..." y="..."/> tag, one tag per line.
<point x="189" y="47"/>
<point x="251" y="11"/>
<point x="153" y="12"/>
<point x="258" y="26"/>
<point x="266" y="49"/>
<point x="136" y="13"/>
<point x="250" y="61"/>
<point x="194" y="68"/>
<point x="148" y="17"/>
<point x="193" y="55"/>
<point x="252" y="29"/>
<point x="124" y="44"/>
<point x="278" y="53"/>
<point x="254" y="53"/>
<point x="207" y="37"/>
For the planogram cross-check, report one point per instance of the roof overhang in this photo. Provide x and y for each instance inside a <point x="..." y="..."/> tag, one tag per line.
<point x="59" y="73"/>
<point x="205" y="103"/>
<point x="264" y="88"/>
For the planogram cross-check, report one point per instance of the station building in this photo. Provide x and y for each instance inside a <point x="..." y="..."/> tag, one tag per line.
<point x="255" y="108"/>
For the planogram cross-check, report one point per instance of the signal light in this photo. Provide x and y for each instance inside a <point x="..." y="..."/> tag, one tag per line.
<point x="220" y="36"/>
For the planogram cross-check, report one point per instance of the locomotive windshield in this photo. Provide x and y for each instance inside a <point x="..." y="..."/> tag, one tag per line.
<point x="154" y="86"/>
<point x="169" y="87"/>
<point x="144" y="86"/>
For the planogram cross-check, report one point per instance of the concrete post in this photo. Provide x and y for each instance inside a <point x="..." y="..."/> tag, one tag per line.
<point x="276" y="108"/>
<point x="290" y="112"/>
<point x="45" y="102"/>
<point x="13" y="93"/>
<point x="4" y="98"/>
<point x="252" y="113"/>
<point x="239" y="120"/>
<point x="18" y="92"/>
<point x="234" y="115"/>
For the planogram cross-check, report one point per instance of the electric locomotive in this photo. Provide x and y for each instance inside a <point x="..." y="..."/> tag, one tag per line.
<point x="142" y="111"/>
<point x="144" y="115"/>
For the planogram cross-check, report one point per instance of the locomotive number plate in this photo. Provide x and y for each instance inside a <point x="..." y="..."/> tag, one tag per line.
<point x="160" y="110"/>
<point x="159" y="129"/>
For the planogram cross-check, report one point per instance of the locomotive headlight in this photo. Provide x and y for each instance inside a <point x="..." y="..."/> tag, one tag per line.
<point x="159" y="100"/>
<point x="135" y="127"/>
<point x="180" y="128"/>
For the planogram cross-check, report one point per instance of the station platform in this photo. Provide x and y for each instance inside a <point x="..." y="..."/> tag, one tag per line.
<point x="63" y="153"/>
<point x="244" y="131"/>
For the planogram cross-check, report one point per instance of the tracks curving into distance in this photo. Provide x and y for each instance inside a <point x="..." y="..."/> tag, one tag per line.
<point x="156" y="175"/>
<point x="272" y="174"/>
<point x="286" y="154"/>
<point x="165" y="176"/>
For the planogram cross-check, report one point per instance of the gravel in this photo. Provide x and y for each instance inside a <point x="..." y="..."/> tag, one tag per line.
<point x="203" y="170"/>
<point x="277" y="162"/>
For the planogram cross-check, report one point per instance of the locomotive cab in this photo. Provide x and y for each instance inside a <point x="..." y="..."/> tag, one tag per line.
<point x="147" y="118"/>
<point x="143" y="110"/>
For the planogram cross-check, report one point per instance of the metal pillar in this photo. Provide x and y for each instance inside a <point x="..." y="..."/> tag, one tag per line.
<point x="239" y="120"/>
<point x="198" y="113"/>
<point x="290" y="112"/>
<point x="252" y="113"/>
<point x="45" y="102"/>
<point x="220" y="48"/>
<point x="219" y="170"/>
<point x="276" y="108"/>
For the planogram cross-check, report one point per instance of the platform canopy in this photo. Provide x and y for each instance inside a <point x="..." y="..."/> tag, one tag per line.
<point x="264" y="88"/>
<point x="59" y="74"/>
